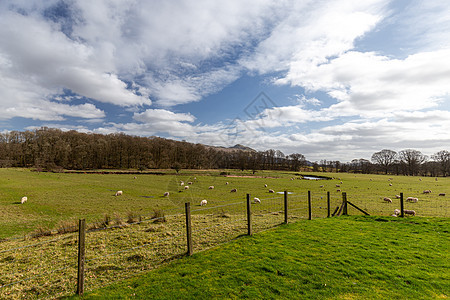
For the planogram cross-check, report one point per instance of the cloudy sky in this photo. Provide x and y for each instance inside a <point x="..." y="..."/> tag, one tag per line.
<point x="334" y="80"/>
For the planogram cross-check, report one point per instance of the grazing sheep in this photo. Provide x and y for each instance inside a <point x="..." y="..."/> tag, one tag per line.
<point x="227" y="183"/>
<point x="321" y="186"/>
<point x="397" y="212"/>
<point x="412" y="199"/>
<point x="166" y="194"/>
<point x="271" y="191"/>
<point x="233" y="190"/>
<point x="390" y="184"/>
<point x="119" y="193"/>
<point x="409" y="212"/>
<point x="190" y="182"/>
<point x="23" y="200"/>
<point x="338" y="190"/>
<point x="182" y="183"/>
<point x="427" y="192"/>
<point x="442" y="194"/>
<point x="341" y="182"/>
<point x="203" y="202"/>
<point x="211" y="187"/>
<point x="394" y="215"/>
<point x="134" y="177"/>
<point x="370" y="179"/>
<point x="337" y="185"/>
<point x="397" y="196"/>
<point x="420" y="179"/>
<point x="388" y="200"/>
<point x="186" y="187"/>
<point x="435" y="179"/>
<point x="256" y="200"/>
<point x="265" y="185"/>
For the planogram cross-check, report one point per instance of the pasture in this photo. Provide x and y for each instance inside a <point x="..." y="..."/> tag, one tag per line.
<point x="130" y="241"/>
<point x="55" y="198"/>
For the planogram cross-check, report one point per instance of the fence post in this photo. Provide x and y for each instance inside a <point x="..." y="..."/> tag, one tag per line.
<point x="328" y="204"/>
<point x="249" y="216"/>
<point x="402" y="213"/>
<point x="344" y="199"/>
<point x="285" y="207"/>
<point x="187" y="207"/>
<point x="309" y="206"/>
<point x="81" y="255"/>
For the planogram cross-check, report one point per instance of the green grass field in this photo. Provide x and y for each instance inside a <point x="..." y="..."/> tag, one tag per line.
<point x="57" y="197"/>
<point x="336" y="258"/>
<point x="45" y="266"/>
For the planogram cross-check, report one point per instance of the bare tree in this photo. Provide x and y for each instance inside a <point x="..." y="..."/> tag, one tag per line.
<point x="413" y="159"/>
<point x="385" y="158"/>
<point x="297" y="161"/>
<point x="443" y="158"/>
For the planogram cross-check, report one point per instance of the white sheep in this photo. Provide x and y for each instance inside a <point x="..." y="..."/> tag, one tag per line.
<point x="397" y="196"/>
<point x="394" y="215"/>
<point x="337" y="185"/>
<point x="265" y="185"/>
<point x="186" y="187"/>
<point x="227" y="183"/>
<point x="182" y="183"/>
<point x="233" y="190"/>
<point x="211" y="187"/>
<point x="166" y="194"/>
<point x="390" y="184"/>
<point x="256" y="200"/>
<point x="338" y="190"/>
<point x="388" y="200"/>
<point x="341" y="182"/>
<point x="271" y="191"/>
<point x="321" y="186"/>
<point x="397" y="212"/>
<point x="23" y="200"/>
<point x="442" y="194"/>
<point x="203" y="202"/>
<point x="412" y="199"/>
<point x="409" y="212"/>
<point x="119" y="193"/>
<point x="427" y="192"/>
<point x="190" y="182"/>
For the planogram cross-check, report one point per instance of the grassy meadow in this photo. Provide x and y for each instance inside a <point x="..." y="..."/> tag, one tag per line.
<point x="36" y="264"/>
<point x="57" y="198"/>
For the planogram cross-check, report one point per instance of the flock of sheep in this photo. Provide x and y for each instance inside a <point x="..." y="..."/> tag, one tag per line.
<point x="257" y="200"/>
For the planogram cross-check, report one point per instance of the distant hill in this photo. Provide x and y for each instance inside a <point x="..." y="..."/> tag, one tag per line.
<point x="237" y="147"/>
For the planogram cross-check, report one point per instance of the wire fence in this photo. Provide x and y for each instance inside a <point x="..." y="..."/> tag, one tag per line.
<point x="46" y="266"/>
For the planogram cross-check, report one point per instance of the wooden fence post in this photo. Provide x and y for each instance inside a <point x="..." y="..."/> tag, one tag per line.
<point x="344" y="199"/>
<point x="328" y="204"/>
<point x="309" y="206"/>
<point x="402" y="213"/>
<point x="249" y="216"/>
<point x="187" y="207"/>
<point x="81" y="255"/>
<point x="285" y="207"/>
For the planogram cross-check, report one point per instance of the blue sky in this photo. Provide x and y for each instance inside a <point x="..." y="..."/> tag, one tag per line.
<point x="334" y="80"/>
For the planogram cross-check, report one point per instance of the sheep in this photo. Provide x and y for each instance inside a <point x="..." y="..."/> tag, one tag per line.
<point x="420" y="179"/>
<point x="409" y="212"/>
<point x="227" y="183"/>
<point x="134" y="177"/>
<point x="203" y="202"/>
<point x="265" y="185"/>
<point x="442" y="194"/>
<point x="394" y="215"/>
<point x="23" y="200"/>
<point x="390" y="184"/>
<point x="338" y="190"/>
<point x="233" y="191"/>
<point x="166" y="194"/>
<point x="427" y="192"/>
<point x="337" y="185"/>
<point x="436" y="179"/>
<point x="211" y="187"/>
<point x="190" y="182"/>
<point x="397" y="196"/>
<point x="119" y="193"/>
<point x="321" y="186"/>
<point x="396" y="211"/>
<point x="271" y="191"/>
<point x="412" y="199"/>
<point x="388" y="200"/>
<point x="341" y="182"/>
<point x="182" y="183"/>
<point x="256" y="200"/>
<point x="186" y="187"/>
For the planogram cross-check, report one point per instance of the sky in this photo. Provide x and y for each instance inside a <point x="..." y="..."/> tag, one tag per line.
<point x="334" y="80"/>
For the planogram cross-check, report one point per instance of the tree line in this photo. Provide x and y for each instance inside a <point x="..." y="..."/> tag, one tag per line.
<point x="53" y="149"/>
